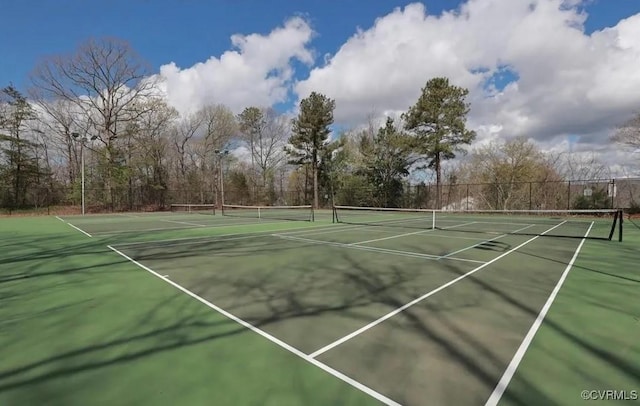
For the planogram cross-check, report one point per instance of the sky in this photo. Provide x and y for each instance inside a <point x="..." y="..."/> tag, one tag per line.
<point x="564" y="73"/>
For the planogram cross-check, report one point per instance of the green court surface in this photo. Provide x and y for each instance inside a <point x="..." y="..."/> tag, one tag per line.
<point x="196" y="309"/>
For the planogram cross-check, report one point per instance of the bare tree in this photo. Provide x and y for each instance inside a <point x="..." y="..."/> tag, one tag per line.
<point x="217" y="128"/>
<point x="583" y="166"/>
<point x="152" y="139"/>
<point x="628" y="134"/>
<point x="265" y="133"/>
<point x="507" y="172"/>
<point x="269" y="147"/>
<point x="106" y="80"/>
<point x="58" y="120"/>
<point x="182" y="135"/>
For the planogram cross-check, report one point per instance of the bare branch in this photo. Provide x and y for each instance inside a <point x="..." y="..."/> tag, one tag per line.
<point x="628" y="134"/>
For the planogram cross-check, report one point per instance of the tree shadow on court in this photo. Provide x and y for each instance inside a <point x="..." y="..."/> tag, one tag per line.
<point x="433" y="323"/>
<point x="584" y="268"/>
<point x="169" y="325"/>
<point x="39" y="267"/>
<point x="497" y="246"/>
<point x="484" y="364"/>
<point x="91" y="357"/>
<point x="339" y="281"/>
<point x="506" y="295"/>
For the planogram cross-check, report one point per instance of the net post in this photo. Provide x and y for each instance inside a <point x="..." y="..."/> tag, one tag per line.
<point x="620" y="226"/>
<point x="613" y="226"/>
<point x="313" y="215"/>
<point x="259" y="214"/>
<point x="433" y="220"/>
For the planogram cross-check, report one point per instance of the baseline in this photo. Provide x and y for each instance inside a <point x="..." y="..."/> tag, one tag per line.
<point x="77" y="228"/>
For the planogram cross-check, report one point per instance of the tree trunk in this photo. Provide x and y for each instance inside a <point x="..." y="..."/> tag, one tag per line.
<point x="306" y="184"/>
<point x="107" y="181"/>
<point x="438" y="181"/>
<point x="315" y="186"/>
<point x="315" y="181"/>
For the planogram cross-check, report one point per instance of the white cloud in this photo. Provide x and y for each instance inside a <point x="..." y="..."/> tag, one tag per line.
<point x="258" y="71"/>
<point x="568" y="82"/>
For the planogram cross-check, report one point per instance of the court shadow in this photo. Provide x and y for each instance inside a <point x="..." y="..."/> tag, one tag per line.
<point x="433" y="320"/>
<point x="581" y="267"/>
<point x="498" y="246"/>
<point x="606" y="356"/>
<point x="319" y="287"/>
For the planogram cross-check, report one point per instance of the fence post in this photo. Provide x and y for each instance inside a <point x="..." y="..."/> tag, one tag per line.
<point x="569" y="195"/>
<point x="530" y="196"/>
<point x="613" y="192"/>
<point x="467" y="197"/>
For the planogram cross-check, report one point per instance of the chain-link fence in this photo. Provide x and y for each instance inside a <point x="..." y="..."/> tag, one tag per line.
<point x="576" y="194"/>
<point x="558" y="195"/>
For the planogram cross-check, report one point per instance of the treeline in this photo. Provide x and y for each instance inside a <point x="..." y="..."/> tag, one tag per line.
<point x="102" y="106"/>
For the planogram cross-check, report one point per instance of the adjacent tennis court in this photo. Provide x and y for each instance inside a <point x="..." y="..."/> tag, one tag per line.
<point x="405" y="306"/>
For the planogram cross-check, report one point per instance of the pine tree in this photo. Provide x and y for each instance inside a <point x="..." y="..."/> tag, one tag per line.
<point x="310" y="133"/>
<point x="438" y="122"/>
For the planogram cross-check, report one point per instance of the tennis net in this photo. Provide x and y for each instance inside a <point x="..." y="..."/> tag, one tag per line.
<point x="601" y="224"/>
<point x="194" y="208"/>
<point x="293" y="213"/>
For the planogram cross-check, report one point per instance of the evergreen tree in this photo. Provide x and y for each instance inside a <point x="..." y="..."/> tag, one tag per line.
<point x="438" y="121"/>
<point x="20" y="167"/>
<point x="310" y="133"/>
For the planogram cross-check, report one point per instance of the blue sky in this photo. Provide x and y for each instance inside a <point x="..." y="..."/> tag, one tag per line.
<point x="190" y="31"/>
<point x="564" y="73"/>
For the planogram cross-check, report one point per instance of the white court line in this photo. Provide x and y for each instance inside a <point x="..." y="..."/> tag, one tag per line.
<point x="184" y="222"/>
<point x="486" y="241"/>
<point x="268" y="336"/>
<point x="139" y="231"/>
<point x="81" y="230"/>
<point x="455" y="237"/>
<point x="395" y="230"/>
<point x="491" y="222"/>
<point x="151" y="245"/>
<point x="497" y="393"/>
<point x="407" y="234"/>
<point x="186" y="228"/>
<point x="58" y="217"/>
<point x="421" y="298"/>
<point x="372" y="249"/>
<point x="196" y="240"/>
<point x="335" y="228"/>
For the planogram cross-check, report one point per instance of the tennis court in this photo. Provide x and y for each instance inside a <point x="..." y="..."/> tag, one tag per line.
<point x="407" y="307"/>
<point x="387" y="306"/>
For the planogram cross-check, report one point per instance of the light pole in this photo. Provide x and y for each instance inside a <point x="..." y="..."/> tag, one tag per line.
<point x="83" y="139"/>
<point x="220" y="154"/>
